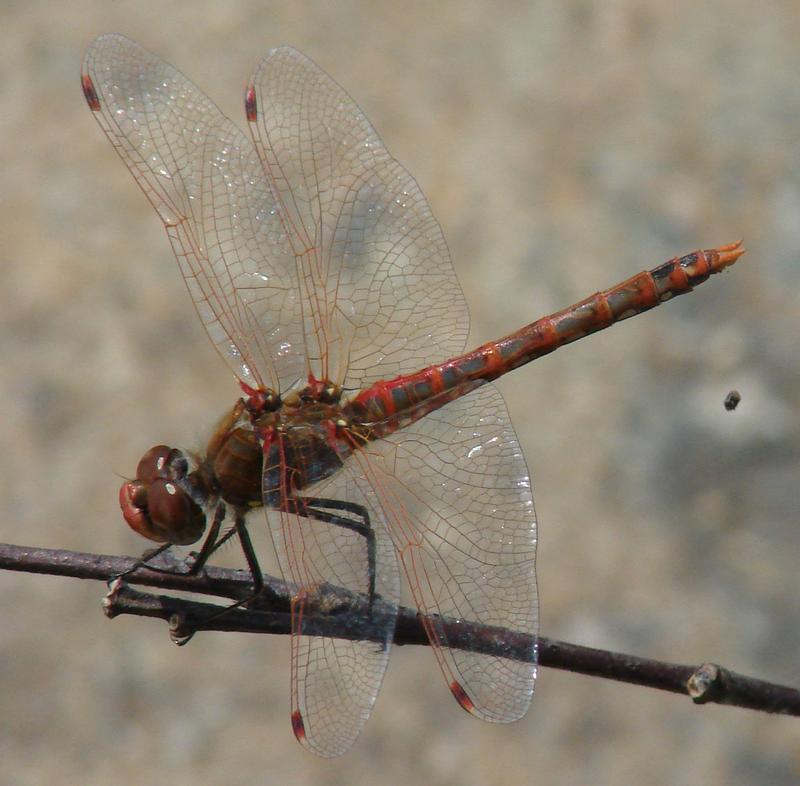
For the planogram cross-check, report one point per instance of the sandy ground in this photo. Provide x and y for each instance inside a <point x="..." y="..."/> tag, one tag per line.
<point x="563" y="148"/>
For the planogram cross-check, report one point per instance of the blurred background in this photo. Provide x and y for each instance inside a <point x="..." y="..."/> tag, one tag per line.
<point x="563" y="145"/>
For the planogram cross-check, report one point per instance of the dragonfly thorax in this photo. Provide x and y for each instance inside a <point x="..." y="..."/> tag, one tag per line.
<point x="306" y="441"/>
<point x="264" y="451"/>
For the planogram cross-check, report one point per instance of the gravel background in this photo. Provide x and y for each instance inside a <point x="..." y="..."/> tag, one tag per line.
<point x="563" y="146"/>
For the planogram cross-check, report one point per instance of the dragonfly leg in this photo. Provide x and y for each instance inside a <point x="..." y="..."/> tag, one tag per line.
<point x="313" y="508"/>
<point x="211" y="544"/>
<point x="142" y="563"/>
<point x="259" y="588"/>
<point x="240" y="528"/>
<point x="212" y="541"/>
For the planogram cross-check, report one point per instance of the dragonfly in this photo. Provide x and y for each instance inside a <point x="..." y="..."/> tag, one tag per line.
<point x="373" y="444"/>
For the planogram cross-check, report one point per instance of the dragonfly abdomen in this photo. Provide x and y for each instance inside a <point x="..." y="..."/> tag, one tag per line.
<point x="636" y="295"/>
<point x="388" y="406"/>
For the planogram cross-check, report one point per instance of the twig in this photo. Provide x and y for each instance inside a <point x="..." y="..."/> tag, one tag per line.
<point x="346" y="617"/>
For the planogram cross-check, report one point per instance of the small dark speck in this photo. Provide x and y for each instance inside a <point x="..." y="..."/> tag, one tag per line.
<point x="732" y="400"/>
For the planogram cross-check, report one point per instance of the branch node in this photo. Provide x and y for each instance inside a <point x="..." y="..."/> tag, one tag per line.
<point x="111" y="597"/>
<point x="179" y="630"/>
<point x="705" y="684"/>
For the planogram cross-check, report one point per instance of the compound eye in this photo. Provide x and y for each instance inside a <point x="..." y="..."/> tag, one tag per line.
<point x="174" y="513"/>
<point x="152" y="464"/>
<point x="133" y="502"/>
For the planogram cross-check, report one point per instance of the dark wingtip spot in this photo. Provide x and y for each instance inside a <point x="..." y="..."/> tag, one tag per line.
<point x="461" y="696"/>
<point x="90" y="93"/>
<point x="298" y="727"/>
<point x="250" y="106"/>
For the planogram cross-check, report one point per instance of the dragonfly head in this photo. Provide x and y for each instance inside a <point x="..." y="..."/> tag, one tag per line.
<point x="157" y="504"/>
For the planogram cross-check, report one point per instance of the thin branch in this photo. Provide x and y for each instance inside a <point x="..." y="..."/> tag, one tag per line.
<point x="345" y="615"/>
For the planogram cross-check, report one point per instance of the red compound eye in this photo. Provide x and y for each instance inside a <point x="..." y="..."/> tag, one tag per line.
<point x="173" y="513"/>
<point x="153" y="464"/>
<point x="161" y="511"/>
<point x="133" y="501"/>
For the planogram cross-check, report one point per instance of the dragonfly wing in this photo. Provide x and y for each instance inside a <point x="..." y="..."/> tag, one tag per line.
<point x="314" y="252"/>
<point x="457" y="497"/>
<point x="380" y="296"/>
<point x="335" y="681"/>
<point x="204" y="179"/>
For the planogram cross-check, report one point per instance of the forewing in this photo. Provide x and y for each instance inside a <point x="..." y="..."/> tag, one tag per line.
<point x="457" y="496"/>
<point x="335" y="680"/>
<point x="204" y="179"/>
<point x="379" y="294"/>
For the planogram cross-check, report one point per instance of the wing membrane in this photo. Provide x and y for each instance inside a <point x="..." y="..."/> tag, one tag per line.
<point x="204" y="179"/>
<point x="335" y="680"/>
<point x="317" y="253"/>
<point x="457" y="497"/>
<point x="379" y="293"/>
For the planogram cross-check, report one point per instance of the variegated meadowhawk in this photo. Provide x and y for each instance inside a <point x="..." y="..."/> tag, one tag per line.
<point x="324" y="282"/>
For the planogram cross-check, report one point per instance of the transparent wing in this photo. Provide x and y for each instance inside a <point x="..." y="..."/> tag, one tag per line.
<point x="319" y="254"/>
<point x="335" y="680"/>
<point x="379" y="293"/>
<point x="204" y="179"/>
<point x="457" y="497"/>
